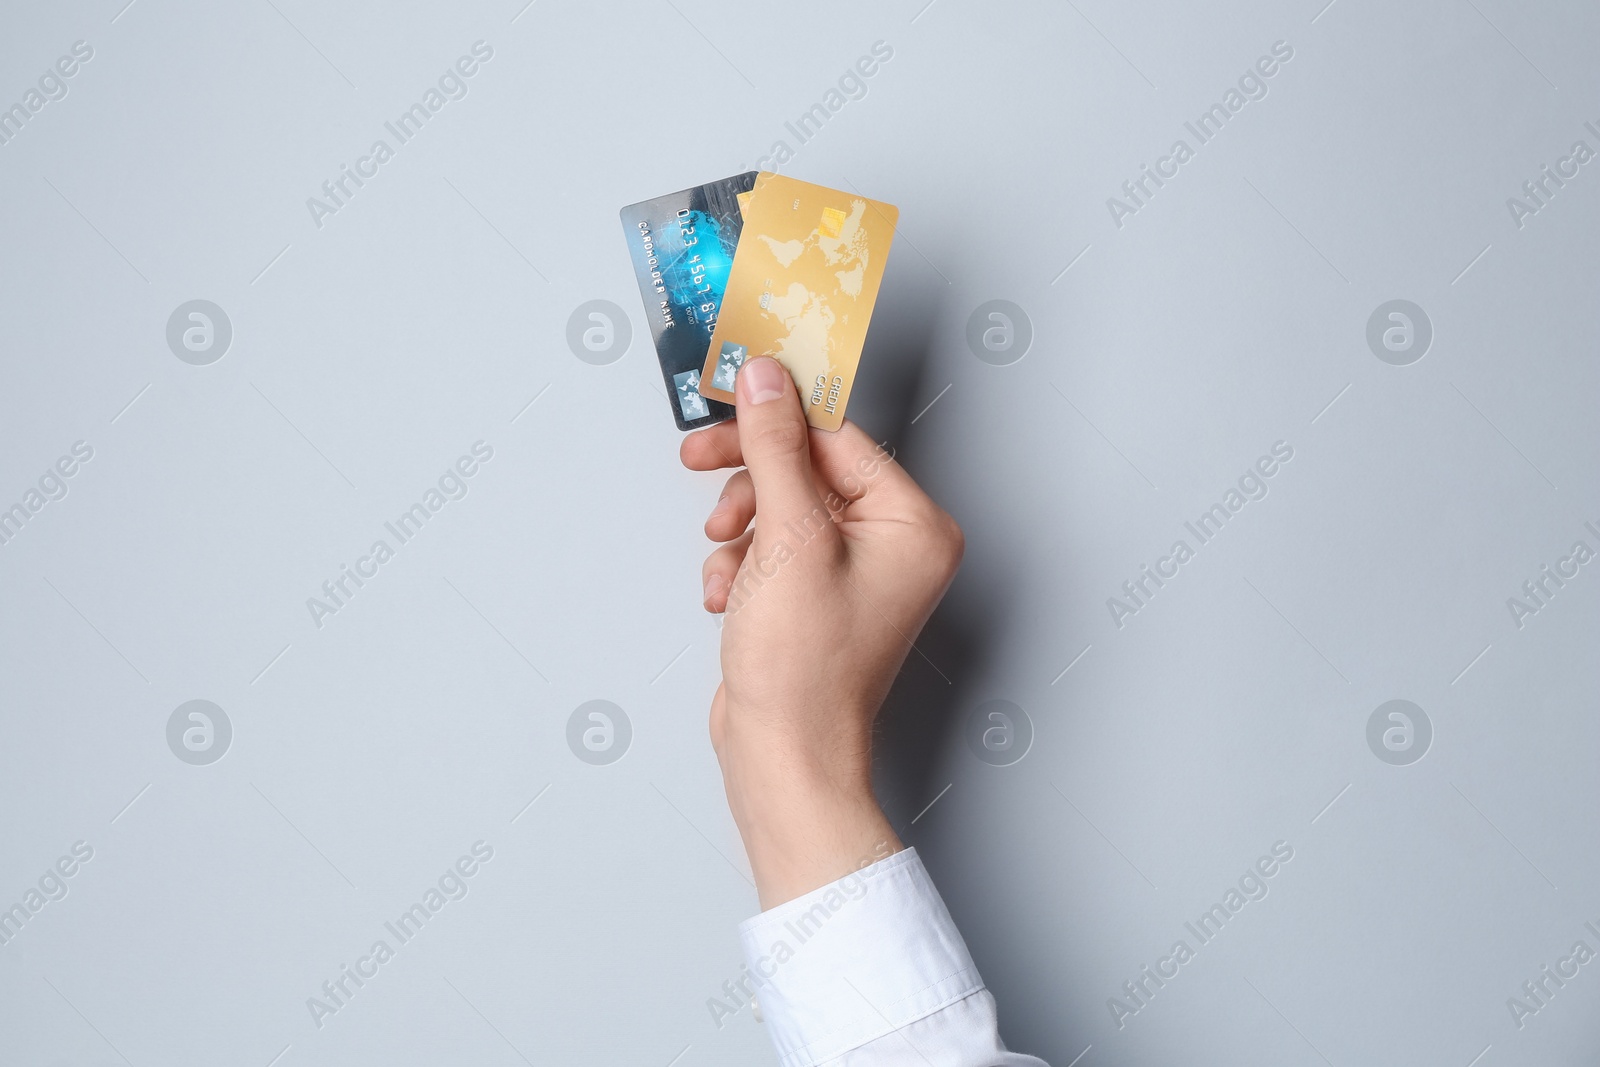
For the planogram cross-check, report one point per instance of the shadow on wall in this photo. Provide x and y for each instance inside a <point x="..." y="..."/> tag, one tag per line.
<point x="926" y="708"/>
<point x="922" y="741"/>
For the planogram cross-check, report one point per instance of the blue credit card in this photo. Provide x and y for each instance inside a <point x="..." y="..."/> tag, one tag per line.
<point x="682" y="247"/>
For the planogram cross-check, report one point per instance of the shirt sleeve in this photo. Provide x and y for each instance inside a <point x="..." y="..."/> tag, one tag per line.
<point x="870" y="971"/>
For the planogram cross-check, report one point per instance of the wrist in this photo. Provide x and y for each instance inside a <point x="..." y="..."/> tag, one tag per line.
<point x="804" y="825"/>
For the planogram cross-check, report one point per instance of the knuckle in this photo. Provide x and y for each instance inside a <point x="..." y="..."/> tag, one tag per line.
<point x="949" y="544"/>
<point x="782" y="437"/>
<point x="958" y="541"/>
<point x="717" y="727"/>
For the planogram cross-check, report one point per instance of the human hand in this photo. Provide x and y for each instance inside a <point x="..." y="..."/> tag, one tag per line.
<point x="822" y="599"/>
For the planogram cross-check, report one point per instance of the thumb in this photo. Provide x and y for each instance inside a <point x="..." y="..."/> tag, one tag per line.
<point x="775" y="442"/>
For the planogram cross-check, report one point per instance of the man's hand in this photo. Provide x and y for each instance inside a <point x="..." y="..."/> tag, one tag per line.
<point x="822" y="599"/>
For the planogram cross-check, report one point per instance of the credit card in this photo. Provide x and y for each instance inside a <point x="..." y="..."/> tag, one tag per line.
<point x="682" y="247"/>
<point x="803" y="285"/>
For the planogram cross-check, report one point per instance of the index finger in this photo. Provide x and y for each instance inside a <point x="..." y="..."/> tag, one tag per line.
<point x="713" y="448"/>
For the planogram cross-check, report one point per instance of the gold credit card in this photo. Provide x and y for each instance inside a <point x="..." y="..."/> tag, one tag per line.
<point x="805" y="277"/>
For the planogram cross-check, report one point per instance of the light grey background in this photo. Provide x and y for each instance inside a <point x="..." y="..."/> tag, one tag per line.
<point x="1227" y="314"/>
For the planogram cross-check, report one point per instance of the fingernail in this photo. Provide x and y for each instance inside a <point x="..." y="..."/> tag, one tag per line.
<point x="715" y="583"/>
<point x="722" y="505"/>
<point x="762" y="380"/>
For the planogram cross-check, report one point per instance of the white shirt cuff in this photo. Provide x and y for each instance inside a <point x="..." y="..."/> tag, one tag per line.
<point x="856" y="960"/>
